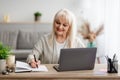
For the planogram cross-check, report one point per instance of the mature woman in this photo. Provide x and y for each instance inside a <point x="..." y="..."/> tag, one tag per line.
<point x="63" y="36"/>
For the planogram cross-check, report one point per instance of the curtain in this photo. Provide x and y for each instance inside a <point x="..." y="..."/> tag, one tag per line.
<point x="112" y="28"/>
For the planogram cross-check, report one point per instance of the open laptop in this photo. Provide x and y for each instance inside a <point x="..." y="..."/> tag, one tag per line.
<point x="76" y="59"/>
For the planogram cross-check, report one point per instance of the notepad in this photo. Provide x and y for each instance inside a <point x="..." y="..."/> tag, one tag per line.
<point x="25" y="67"/>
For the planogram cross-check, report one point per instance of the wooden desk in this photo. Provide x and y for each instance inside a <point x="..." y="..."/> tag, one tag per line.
<point x="52" y="74"/>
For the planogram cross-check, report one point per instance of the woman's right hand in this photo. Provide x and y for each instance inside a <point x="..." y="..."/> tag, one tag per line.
<point x="34" y="64"/>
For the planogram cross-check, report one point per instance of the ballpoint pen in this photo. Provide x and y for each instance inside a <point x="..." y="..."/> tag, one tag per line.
<point x="35" y="60"/>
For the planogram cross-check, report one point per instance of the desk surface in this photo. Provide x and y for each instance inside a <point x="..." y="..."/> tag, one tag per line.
<point x="97" y="73"/>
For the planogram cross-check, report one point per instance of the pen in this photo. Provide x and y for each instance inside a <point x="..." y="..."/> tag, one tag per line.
<point x="114" y="57"/>
<point x="35" y="60"/>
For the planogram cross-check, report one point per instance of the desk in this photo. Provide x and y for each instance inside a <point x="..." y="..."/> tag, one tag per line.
<point x="68" y="75"/>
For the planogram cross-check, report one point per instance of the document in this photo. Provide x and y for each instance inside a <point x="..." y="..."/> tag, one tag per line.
<point x="25" y="67"/>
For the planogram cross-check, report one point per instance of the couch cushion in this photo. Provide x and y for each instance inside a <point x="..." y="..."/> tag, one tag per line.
<point x="9" y="38"/>
<point x="27" y="39"/>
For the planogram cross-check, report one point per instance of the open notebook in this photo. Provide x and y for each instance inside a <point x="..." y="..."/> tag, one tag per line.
<point x="25" y="67"/>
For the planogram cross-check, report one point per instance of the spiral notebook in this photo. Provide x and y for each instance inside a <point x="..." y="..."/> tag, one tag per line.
<point x="25" y="67"/>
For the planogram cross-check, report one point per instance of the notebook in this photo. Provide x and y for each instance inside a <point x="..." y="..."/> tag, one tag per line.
<point x="76" y="59"/>
<point x="25" y="67"/>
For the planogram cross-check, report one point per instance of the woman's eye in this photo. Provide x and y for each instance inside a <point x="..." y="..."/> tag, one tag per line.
<point x="57" y="22"/>
<point x="65" y="25"/>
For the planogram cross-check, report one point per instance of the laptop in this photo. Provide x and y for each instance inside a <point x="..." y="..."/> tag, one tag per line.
<point x="76" y="59"/>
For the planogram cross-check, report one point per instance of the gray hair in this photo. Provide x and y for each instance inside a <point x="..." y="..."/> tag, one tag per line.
<point x="69" y="16"/>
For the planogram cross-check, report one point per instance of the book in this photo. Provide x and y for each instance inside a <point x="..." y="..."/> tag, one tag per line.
<point x="25" y="67"/>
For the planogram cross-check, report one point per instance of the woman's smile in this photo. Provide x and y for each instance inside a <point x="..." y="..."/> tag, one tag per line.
<point x="60" y="30"/>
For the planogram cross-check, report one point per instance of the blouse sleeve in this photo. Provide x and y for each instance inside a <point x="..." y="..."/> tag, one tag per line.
<point x="37" y="51"/>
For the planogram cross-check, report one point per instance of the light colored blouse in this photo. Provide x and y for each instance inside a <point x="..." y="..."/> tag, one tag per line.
<point x="59" y="46"/>
<point x="48" y="54"/>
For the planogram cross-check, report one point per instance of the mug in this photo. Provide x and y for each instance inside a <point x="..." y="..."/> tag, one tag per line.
<point x="11" y="61"/>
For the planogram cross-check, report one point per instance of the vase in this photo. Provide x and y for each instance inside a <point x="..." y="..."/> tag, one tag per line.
<point x="37" y="18"/>
<point x="2" y="65"/>
<point x="91" y="44"/>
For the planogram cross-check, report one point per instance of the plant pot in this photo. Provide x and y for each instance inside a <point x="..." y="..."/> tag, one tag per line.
<point x="91" y="44"/>
<point x="2" y="65"/>
<point x="37" y="18"/>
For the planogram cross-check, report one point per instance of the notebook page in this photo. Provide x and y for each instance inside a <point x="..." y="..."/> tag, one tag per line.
<point x="40" y="68"/>
<point x="23" y="66"/>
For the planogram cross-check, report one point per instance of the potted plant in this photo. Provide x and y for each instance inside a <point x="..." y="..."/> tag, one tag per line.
<point x="90" y="35"/>
<point x="4" y="53"/>
<point x="37" y="16"/>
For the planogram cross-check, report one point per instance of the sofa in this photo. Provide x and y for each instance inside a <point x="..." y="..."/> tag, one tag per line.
<point x="22" y="37"/>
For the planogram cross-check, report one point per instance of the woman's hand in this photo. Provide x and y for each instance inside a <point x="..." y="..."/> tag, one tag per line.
<point x="34" y="64"/>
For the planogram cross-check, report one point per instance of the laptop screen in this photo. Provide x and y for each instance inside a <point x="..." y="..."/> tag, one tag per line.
<point x="77" y="59"/>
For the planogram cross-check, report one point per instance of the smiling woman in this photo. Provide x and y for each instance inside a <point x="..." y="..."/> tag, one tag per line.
<point x="63" y="36"/>
<point x="62" y="26"/>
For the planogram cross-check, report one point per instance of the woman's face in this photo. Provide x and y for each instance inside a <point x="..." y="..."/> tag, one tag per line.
<point x="61" y="26"/>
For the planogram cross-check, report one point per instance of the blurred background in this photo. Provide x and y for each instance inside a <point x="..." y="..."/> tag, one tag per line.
<point x="96" y="12"/>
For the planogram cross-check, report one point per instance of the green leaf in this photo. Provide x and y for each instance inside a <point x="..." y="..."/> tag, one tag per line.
<point x="4" y="51"/>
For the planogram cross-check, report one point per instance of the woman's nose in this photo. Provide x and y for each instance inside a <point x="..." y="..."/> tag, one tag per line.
<point x="60" y="26"/>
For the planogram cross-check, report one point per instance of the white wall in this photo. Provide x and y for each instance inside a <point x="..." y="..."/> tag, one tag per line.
<point x="23" y="10"/>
